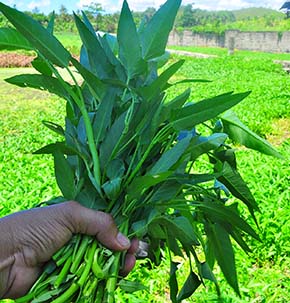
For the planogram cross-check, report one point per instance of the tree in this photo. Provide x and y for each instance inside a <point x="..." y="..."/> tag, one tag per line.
<point x="286" y="7"/>
<point x="93" y="9"/>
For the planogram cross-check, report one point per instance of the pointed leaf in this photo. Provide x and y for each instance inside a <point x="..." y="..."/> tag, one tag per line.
<point x="241" y="134"/>
<point x="170" y="157"/>
<point x="178" y="101"/>
<point x="10" y="39"/>
<point x="173" y="282"/>
<point x="54" y="127"/>
<point x="201" y="145"/>
<point x="190" y="286"/>
<point x="131" y="286"/>
<point x="129" y="45"/>
<point x="219" y="212"/>
<point x="237" y="186"/>
<point x="39" y="37"/>
<point x="41" y="66"/>
<point x="155" y="34"/>
<point x="112" y="188"/>
<point x="157" y="86"/>
<point x="204" y="110"/>
<point x="41" y="82"/>
<point x="224" y="253"/>
<point x="140" y="184"/>
<point x="50" y="24"/>
<point x="95" y="84"/>
<point x="103" y="116"/>
<point x="88" y="24"/>
<point x="179" y="228"/>
<point x="96" y="57"/>
<point x="111" y="140"/>
<point x="64" y="175"/>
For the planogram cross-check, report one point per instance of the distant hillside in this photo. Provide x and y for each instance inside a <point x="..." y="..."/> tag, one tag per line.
<point x="251" y="12"/>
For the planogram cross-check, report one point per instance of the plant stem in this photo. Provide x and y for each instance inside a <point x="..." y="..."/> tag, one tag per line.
<point x="115" y="268"/>
<point x="90" y="133"/>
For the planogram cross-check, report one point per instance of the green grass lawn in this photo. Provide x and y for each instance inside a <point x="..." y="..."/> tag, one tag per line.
<point x="26" y="179"/>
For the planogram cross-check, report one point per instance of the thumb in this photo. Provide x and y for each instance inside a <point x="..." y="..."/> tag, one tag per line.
<point x="98" y="224"/>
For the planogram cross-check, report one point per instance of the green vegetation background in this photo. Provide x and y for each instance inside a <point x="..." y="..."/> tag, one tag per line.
<point x="264" y="276"/>
<point x="197" y="20"/>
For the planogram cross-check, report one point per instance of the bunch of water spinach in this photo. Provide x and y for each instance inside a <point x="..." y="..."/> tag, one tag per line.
<point x="130" y="150"/>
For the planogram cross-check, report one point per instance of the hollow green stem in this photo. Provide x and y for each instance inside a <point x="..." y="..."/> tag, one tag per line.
<point x="90" y="133"/>
<point x="67" y="294"/>
<point x="62" y="275"/>
<point x="25" y="299"/>
<point x="63" y="259"/>
<point x="114" y="271"/>
<point x="89" y="262"/>
<point x="78" y="258"/>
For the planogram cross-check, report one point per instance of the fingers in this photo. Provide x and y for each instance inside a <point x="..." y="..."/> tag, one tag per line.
<point x="130" y="259"/>
<point x="99" y="224"/>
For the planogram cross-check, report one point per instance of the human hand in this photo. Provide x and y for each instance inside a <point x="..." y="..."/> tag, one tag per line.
<point x="29" y="239"/>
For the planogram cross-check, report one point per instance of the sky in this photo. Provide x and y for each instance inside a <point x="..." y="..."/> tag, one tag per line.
<point x="110" y="6"/>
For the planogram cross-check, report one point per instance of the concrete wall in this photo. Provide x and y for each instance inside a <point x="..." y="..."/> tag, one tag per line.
<point x="258" y="41"/>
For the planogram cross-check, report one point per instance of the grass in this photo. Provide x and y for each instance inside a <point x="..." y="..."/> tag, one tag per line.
<point x="264" y="276"/>
<point x="71" y="41"/>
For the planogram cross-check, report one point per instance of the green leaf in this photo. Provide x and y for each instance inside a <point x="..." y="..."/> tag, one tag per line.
<point x="190" y="286"/>
<point x="41" y="82"/>
<point x="129" y="44"/>
<point x="50" y="24"/>
<point x="157" y="86"/>
<point x="178" y="228"/>
<point x="165" y="192"/>
<point x="64" y="175"/>
<point x="42" y="66"/>
<point x="88" y="24"/>
<point x="241" y="134"/>
<point x="237" y="186"/>
<point x="170" y="157"/>
<point x="39" y="37"/>
<point x="54" y="127"/>
<point x="201" y="145"/>
<point x="193" y="179"/>
<point x="111" y="139"/>
<point x="155" y="34"/>
<point x="131" y="286"/>
<point x="140" y="184"/>
<point x="178" y="101"/>
<point x="207" y="273"/>
<point x="204" y="110"/>
<point x="112" y="188"/>
<point x="115" y="169"/>
<point x="61" y="146"/>
<point x="219" y="212"/>
<point x="103" y="116"/>
<point x="97" y="59"/>
<point x="95" y="84"/>
<point x="173" y="281"/>
<point x="10" y="39"/>
<point x="224" y="253"/>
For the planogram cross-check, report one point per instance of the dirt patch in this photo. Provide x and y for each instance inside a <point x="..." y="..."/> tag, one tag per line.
<point x="285" y="65"/>
<point x="191" y="54"/>
<point x="15" y="60"/>
<point x="281" y="131"/>
<point x="18" y="60"/>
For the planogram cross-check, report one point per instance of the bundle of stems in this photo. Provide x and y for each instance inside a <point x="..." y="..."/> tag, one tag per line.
<point x="131" y="149"/>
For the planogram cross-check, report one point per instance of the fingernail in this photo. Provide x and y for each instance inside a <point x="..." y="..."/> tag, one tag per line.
<point x="123" y="240"/>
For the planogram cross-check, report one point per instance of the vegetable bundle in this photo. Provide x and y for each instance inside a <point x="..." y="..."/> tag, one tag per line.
<point x="130" y="150"/>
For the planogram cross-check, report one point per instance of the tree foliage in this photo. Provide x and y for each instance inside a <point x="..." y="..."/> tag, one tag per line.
<point x="198" y="20"/>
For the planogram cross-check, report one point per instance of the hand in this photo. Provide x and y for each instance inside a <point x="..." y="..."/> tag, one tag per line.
<point x="29" y="239"/>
